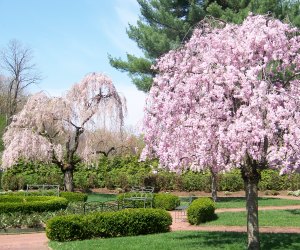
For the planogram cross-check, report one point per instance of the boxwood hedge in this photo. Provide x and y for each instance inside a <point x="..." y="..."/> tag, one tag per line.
<point x="127" y="222"/>
<point x="29" y="204"/>
<point x="201" y="210"/>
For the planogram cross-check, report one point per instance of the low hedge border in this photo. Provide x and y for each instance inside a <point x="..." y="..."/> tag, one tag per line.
<point x="127" y="222"/>
<point x="29" y="204"/>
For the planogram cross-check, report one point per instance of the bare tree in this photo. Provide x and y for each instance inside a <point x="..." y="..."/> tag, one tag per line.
<point x="16" y="63"/>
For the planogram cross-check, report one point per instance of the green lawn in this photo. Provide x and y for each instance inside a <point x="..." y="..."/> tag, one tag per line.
<point x="184" y="240"/>
<point x="101" y="197"/>
<point x="239" y="202"/>
<point x="236" y="202"/>
<point x="278" y="218"/>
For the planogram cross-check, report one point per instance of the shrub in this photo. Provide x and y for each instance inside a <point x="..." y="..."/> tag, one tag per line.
<point x="271" y="180"/>
<point x="29" y="204"/>
<point x="194" y="181"/>
<point x="201" y="210"/>
<point x="128" y="222"/>
<point x="166" y="201"/>
<point x="231" y="181"/>
<point x="74" y="197"/>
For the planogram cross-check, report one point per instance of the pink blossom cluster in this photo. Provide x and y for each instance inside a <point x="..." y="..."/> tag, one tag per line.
<point x="229" y="94"/>
<point x="45" y="129"/>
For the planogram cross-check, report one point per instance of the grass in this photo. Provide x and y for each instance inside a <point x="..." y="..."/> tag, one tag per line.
<point x="184" y="240"/>
<point x="101" y="197"/>
<point x="276" y="218"/>
<point x="236" y="202"/>
<point x="239" y="202"/>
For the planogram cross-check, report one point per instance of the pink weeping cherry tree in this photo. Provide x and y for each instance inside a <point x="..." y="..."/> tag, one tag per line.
<point x="229" y="98"/>
<point x="59" y="129"/>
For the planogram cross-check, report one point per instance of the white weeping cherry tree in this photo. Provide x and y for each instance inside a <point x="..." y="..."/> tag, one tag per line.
<point x="59" y="129"/>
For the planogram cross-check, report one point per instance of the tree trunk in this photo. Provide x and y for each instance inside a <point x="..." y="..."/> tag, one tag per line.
<point x="68" y="180"/>
<point x="252" y="215"/>
<point x="214" y="186"/>
<point x="251" y="178"/>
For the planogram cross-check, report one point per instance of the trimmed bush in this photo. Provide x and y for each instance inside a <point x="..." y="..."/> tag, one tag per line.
<point x="128" y="222"/>
<point x="201" y="210"/>
<point x="74" y="197"/>
<point x="29" y="204"/>
<point x="166" y="201"/>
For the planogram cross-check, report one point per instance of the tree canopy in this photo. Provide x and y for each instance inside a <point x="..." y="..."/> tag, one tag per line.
<point x="229" y="98"/>
<point x="59" y="129"/>
<point x="166" y="24"/>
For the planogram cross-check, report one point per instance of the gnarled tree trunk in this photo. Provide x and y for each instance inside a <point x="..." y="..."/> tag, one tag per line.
<point x="68" y="177"/>
<point x="251" y="178"/>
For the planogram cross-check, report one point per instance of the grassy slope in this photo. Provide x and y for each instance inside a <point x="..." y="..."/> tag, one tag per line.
<point x="183" y="240"/>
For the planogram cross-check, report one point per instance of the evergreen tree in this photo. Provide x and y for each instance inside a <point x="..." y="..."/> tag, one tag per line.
<point x="165" y="24"/>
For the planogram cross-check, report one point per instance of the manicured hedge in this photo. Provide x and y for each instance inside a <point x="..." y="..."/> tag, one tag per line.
<point x="166" y="201"/>
<point x="29" y="204"/>
<point x="201" y="210"/>
<point x="74" y="197"/>
<point x="127" y="222"/>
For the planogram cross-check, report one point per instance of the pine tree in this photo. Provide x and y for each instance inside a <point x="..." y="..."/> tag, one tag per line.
<point x="165" y="24"/>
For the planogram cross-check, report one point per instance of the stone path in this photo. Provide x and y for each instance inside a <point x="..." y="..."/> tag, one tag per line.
<point x="39" y="241"/>
<point x="30" y="241"/>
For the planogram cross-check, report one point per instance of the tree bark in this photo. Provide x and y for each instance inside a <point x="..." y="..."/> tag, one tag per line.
<point x="252" y="215"/>
<point x="68" y="180"/>
<point x="251" y="178"/>
<point x="214" y="186"/>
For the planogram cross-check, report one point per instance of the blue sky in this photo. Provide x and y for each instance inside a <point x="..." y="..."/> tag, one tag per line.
<point x="71" y="38"/>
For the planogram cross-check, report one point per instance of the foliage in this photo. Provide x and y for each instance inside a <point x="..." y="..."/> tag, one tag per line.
<point x="271" y="180"/>
<point x="110" y="171"/>
<point x="166" y="201"/>
<point x="32" y="173"/>
<point x="163" y="25"/>
<point x="171" y="23"/>
<point x="201" y="210"/>
<point x="29" y="204"/>
<point x="242" y="80"/>
<point x="126" y="222"/>
<point x="193" y="181"/>
<point x="74" y="197"/>
<point x="231" y="181"/>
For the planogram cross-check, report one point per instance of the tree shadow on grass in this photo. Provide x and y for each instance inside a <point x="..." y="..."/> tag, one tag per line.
<point x="229" y="240"/>
<point x="294" y="212"/>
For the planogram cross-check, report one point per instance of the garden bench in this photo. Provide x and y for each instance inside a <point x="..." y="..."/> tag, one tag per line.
<point x="100" y="206"/>
<point x="180" y="211"/>
<point x="138" y="194"/>
<point x="44" y="189"/>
